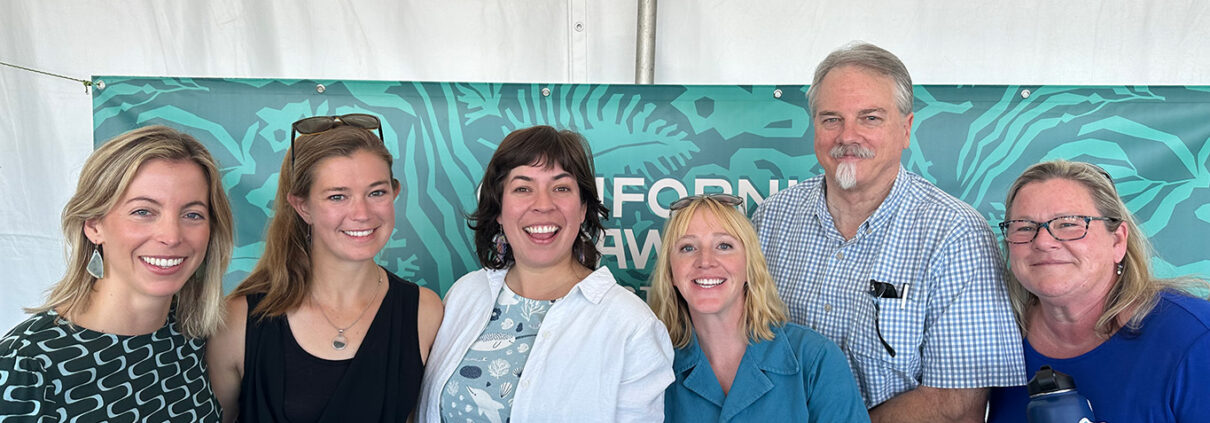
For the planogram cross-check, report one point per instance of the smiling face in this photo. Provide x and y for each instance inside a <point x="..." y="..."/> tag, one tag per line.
<point x="709" y="268"/>
<point x="541" y="213"/>
<point x="859" y="133"/>
<point x="157" y="233"/>
<point x="351" y="207"/>
<point x="1062" y="272"/>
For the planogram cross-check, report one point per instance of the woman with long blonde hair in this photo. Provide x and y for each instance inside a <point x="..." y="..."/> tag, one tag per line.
<point x="737" y="357"/>
<point x="121" y="336"/>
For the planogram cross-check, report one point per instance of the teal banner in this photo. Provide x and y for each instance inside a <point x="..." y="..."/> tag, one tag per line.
<point x="654" y="144"/>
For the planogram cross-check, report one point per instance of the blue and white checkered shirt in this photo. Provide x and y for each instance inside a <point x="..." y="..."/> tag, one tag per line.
<point x="951" y="328"/>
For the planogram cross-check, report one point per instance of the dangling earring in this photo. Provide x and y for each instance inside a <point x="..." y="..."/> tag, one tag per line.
<point x="96" y="264"/>
<point x="1120" y="267"/>
<point x="583" y="239"/>
<point x="308" y="234"/>
<point x="501" y="248"/>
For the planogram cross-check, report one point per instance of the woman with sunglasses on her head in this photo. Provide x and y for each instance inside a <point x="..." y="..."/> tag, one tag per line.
<point x="1080" y="283"/>
<point x="540" y="334"/>
<point x="318" y="331"/>
<point x="121" y="336"/>
<point x="737" y="358"/>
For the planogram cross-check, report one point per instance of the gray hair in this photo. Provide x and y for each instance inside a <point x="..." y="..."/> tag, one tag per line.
<point x="870" y="57"/>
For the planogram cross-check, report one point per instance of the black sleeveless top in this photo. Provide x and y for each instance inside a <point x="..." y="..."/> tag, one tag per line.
<point x="379" y="384"/>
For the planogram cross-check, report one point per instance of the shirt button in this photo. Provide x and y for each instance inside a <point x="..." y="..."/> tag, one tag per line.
<point x="827" y="307"/>
<point x="840" y="255"/>
<point x="525" y="384"/>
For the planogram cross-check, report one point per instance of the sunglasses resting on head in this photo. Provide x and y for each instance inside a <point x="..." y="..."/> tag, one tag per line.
<point x="317" y="124"/>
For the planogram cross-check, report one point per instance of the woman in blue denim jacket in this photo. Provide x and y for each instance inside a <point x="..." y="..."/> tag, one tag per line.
<point x="737" y="358"/>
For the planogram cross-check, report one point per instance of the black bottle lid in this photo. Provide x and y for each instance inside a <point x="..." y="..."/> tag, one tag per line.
<point x="1049" y="380"/>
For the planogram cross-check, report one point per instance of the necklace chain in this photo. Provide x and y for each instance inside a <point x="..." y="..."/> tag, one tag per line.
<point x="340" y="342"/>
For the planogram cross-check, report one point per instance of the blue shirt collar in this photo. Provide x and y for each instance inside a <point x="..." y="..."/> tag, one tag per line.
<point x="751" y="378"/>
<point x="774" y="355"/>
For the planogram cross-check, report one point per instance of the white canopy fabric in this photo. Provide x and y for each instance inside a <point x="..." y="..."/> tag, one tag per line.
<point x="46" y="122"/>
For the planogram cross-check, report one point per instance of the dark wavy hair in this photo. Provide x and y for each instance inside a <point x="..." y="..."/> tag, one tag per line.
<point x="538" y="146"/>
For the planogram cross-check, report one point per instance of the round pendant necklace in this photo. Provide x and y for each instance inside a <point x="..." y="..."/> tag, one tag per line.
<point x="340" y="342"/>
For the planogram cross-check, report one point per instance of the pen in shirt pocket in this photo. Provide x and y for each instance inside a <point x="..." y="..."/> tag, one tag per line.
<point x="888" y="290"/>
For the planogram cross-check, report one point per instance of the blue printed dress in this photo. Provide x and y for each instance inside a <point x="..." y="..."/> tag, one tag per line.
<point x="482" y="388"/>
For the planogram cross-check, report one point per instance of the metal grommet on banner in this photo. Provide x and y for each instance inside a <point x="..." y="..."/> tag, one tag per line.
<point x="546" y="92"/>
<point x="777" y="93"/>
<point x="1025" y="93"/>
<point x="100" y="84"/>
<point x="320" y="88"/>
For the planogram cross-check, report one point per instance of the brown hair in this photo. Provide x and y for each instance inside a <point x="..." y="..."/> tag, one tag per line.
<point x="762" y="307"/>
<point x="283" y="272"/>
<point x="105" y="176"/>
<point x="538" y="146"/>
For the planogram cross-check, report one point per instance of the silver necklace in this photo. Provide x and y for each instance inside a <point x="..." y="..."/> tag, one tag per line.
<point x="340" y="342"/>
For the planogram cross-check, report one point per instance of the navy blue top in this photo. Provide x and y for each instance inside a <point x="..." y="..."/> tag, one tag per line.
<point x="1159" y="373"/>
<point x="798" y="374"/>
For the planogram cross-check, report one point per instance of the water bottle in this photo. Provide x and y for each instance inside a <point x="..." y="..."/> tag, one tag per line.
<point x="1053" y="399"/>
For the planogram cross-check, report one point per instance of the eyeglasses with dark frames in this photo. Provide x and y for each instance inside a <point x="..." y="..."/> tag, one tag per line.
<point x="317" y="124"/>
<point x="1062" y="228"/>
<point x="724" y="199"/>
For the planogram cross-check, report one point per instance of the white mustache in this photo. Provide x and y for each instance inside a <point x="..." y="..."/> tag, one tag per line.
<point x="851" y="150"/>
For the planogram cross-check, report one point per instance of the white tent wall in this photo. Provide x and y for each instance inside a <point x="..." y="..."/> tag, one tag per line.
<point x="46" y="122"/>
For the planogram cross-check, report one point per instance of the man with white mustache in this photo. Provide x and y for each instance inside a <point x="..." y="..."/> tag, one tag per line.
<point x="905" y="278"/>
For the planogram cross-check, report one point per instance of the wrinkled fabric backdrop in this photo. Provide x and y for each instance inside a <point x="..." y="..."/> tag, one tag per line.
<point x="1107" y="64"/>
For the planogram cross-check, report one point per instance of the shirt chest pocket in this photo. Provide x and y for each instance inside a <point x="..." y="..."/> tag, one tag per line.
<point x="889" y="330"/>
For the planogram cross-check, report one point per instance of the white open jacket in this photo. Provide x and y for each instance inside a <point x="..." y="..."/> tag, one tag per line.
<point x="600" y="356"/>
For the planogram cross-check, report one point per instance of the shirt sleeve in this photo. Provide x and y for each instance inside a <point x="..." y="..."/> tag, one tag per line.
<point x="971" y="338"/>
<point x="647" y="372"/>
<point x="758" y="217"/>
<point x="22" y="388"/>
<point x="832" y="394"/>
<point x="1191" y="388"/>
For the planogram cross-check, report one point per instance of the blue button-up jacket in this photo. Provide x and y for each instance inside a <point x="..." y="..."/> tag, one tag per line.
<point x="798" y="374"/>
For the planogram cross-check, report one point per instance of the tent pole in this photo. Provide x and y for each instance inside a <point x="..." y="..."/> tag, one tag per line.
<point x="644" y="57"/>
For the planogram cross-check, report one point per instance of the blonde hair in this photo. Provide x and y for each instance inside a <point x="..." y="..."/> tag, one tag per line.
<point x="1137" y="289"/>
<point x="762" y="307"/>
<point x="283" y="272"/>
<point x="103" y="180"/>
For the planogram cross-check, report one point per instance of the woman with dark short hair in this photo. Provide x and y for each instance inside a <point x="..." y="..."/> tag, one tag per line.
<point x="540" y="334"/>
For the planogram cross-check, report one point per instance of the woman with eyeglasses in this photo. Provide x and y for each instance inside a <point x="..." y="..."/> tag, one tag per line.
<point x="121" y="336"/>
<point x="319" y="332"/>
<point x="1138" y="347"/>
<point x="540" y="334"/>
<point x="737" y="357"/>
